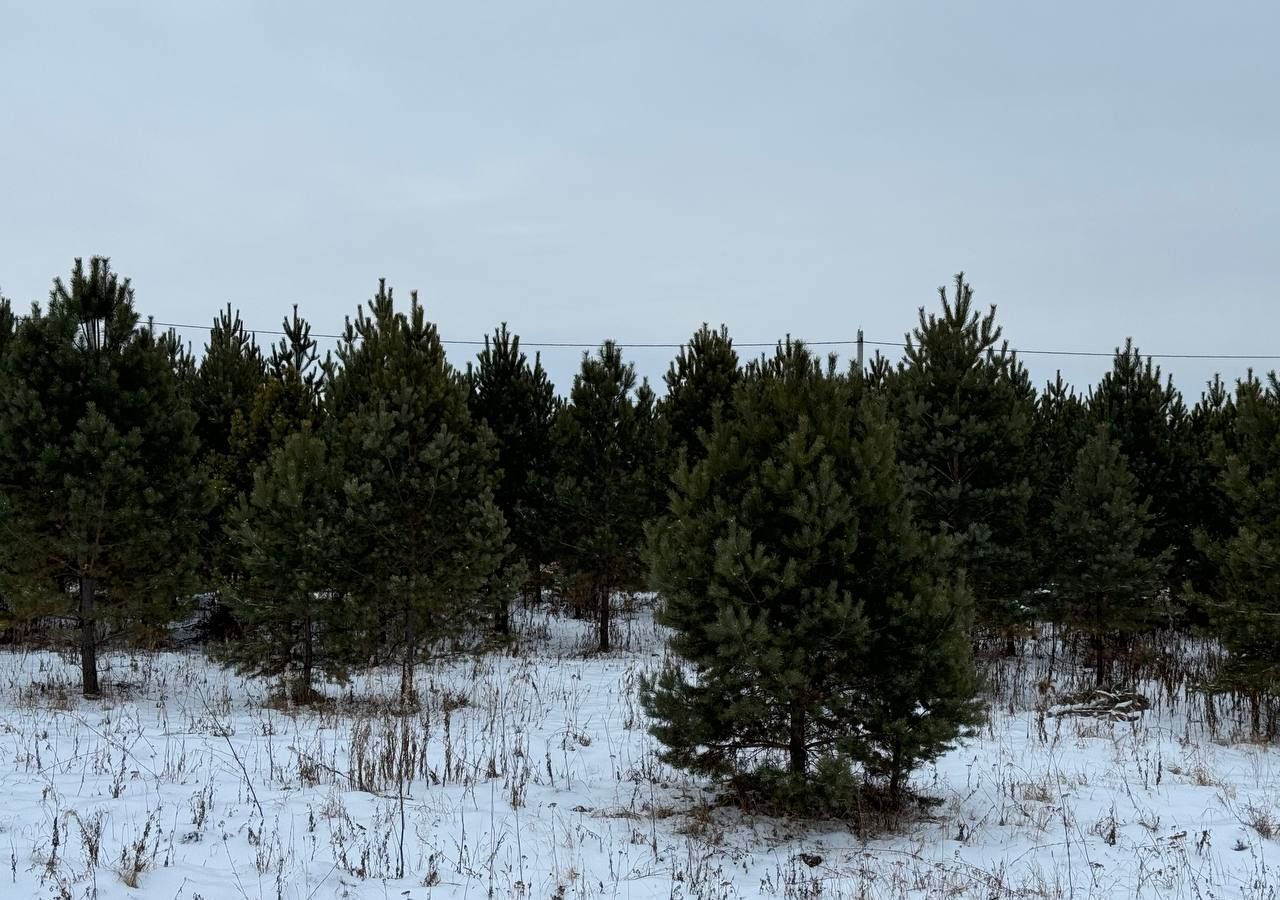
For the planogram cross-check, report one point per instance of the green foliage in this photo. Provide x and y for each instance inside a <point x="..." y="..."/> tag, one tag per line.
<point x="230" y="373"/>
<point x="1147" y="420"/>
<point x="517" y="401"/>
<point x="429" y="539"/>
<point x="98" y="455"/>
<point x="8" y="324"/>
<point x="287" y="400"/>
<point x="965" y="408"/>
<point x="606" y="438"/>
<point x="814" y="618"/>
<point x="1213" y="516"/>
<point x="1059" y="429"/>
<point x="1245" y="608"/>
<point x="1105" y="584"/>
<point x="700" y="383"/>
<point x="222" y="393"/>
<point x="290" y="533"/>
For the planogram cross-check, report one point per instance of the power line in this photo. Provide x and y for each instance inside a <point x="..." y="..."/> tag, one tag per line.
<point x="648" y="345"/>
<point x="1108" y="354"/>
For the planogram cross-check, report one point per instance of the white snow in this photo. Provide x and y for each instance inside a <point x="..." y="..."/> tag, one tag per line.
<point x="540" y="781"/>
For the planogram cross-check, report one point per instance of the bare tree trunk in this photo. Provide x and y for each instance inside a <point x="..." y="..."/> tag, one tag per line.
<point x="408" y="696"/>
<point x="502" y="616"/>
<point x="1099" y="658"/>
<point x="799" y="752"/>
<point x="88" y="637"/>
<point x="895" y="776"/>
<point x="604" y="618"/>
<point x="304" y="692"/>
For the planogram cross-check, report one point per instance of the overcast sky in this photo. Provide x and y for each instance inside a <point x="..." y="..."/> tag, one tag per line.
<point x="591" y="170"/>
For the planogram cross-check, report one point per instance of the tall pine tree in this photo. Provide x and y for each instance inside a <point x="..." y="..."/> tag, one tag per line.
<point x="517" y="401"/>
<point x="1245" y="597"/>
<point x="606" y="440"/>
<point x="429" y="539"/>
<point x="222" y="394"/>
<point x="287" y="400"/>
<point x="8" y="324"/>
<point x="230" y="373"/>
<point x="965" y="408"/>
<point x="98" y="455"/>
<point x="1212" y="513"/>
<point x="1059" y="429"/>
<point x="1147" y="420"/>
<point x="700" y="383"/>
<point x="819" y="625"/>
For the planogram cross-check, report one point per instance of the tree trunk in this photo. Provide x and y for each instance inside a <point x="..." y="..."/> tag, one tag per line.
<point x="604" y="619"/>
<point x="88" y="637"/>
<point x="408" y="696"/>
<point x="501" y="616"/>
<point x="1099" y="658"/>
<point x="304" y="693"/>
<point x="532" y="592"/>
<point x="895" y="776"/>
<point x="798" y="750"/>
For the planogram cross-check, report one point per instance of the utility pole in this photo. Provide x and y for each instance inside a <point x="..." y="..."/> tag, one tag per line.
<point x="859" y="349"/>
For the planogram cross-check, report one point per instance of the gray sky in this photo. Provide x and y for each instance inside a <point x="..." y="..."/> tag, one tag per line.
<point x="596" y="169"/>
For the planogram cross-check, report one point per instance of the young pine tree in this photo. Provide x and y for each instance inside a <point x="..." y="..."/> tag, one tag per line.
<point x="517" y="401"/>
<point x="1245" y="598"/>
<point x="288" y="399"/>
<point x="607" y="448"/>
<point x="230" y="373"/>
<point x="1147" y="421"/>
<point x="819" y="625"/>
<point x="1105" y="582"/>
<point x="290" y="532"/>
<point x="700" y="383"/>
<point x="1213" y="433"/>
<point x="1059" y="429"/>
<point x="429" y="539"/>
<point x="98" y="454"/>
<point x="222" y="395"/>
<point x="8" y="324"/>
<point x="965" y="408"/>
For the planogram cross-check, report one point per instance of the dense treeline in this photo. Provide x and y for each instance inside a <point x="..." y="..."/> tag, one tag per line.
<point x="830" y="547"/>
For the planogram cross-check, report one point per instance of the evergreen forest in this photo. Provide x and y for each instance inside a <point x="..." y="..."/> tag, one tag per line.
<point x="833" y="550"/>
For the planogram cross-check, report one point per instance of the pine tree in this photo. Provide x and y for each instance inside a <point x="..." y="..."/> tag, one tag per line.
<point x="230" y="373"/>
<point x="1245" y="605"/>
<point x="606" y="441"/>
<point x="286" y="401"/>
<point x="100" y="475"/>
<point x="517" y="401"/>
<point x="1147" y="420"/>
<point x="1212" y="433"/>
<point x="1059" y="429"/>
<point x="428" y="537"/>
<point x="1105" y="582"/>
<point x="700" y="383"/>
<point x="818" y="623"/>
<point x="290" y="532"/>
<point x="8" y="324"/>
<point x="222" y="394"/>
<point x="965" y="408"/>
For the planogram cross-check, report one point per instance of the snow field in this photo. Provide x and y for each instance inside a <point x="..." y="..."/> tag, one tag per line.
<point x="529" y="773"/>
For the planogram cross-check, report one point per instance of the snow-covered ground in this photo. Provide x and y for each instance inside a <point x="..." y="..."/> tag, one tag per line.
<point x="530" y="774"/>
